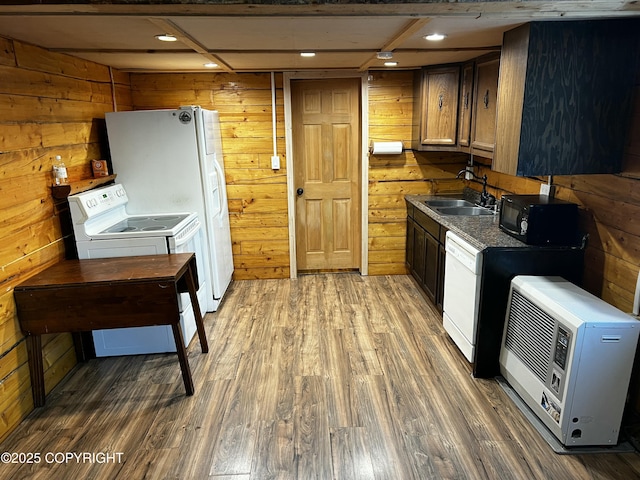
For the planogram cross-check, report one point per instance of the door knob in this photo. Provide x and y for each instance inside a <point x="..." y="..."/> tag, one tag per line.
<point x="299" y="191"/>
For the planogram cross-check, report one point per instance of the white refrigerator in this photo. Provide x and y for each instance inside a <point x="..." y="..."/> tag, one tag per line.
<point x="171" y="161"/>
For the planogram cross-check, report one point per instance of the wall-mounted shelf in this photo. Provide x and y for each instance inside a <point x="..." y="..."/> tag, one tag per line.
<point x="61" y="192"/>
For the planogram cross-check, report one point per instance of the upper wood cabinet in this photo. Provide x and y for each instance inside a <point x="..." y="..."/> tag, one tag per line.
<point x="564" y="98"/>
<point x="436" y="109"/>
<point x="483" y="127"/>
<point x="465" y="106"/>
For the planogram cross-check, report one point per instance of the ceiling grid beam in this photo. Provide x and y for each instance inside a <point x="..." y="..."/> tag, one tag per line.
<point x="407" y="31"/>
<point x="182" y="36"/>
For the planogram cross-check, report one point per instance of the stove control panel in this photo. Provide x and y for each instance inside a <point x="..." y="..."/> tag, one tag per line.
<point x="100" y="200"/>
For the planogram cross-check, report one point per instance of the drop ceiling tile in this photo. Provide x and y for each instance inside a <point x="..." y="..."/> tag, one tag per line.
<point x="157" y="61"/>
<point x="85" y="32"/>
<point x="463" y="32"/>
<point x="291" y="33"/>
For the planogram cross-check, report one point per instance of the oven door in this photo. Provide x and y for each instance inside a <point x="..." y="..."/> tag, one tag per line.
<point x="190" y="240"/>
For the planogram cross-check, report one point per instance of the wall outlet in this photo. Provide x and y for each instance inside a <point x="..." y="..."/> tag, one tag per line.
<point x="468" y="175"/>
<point x="548" y="190"/>
<point x="275" y="162"/>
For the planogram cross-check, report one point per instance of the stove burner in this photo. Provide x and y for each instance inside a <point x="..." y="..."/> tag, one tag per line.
<point x="138" y="219"/>
<point x="167" y="218"/>
<point x="120" y="227"/>
<point x="154" y="228"/>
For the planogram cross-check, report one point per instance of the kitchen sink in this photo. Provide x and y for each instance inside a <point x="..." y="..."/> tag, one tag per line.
<point x="448" y="203"/>
<point x="464" y="211"/>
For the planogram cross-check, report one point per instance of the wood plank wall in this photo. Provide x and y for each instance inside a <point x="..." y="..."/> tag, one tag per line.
<point x="609" y="209"/>
<point x="391" y="177"/>
<point x="258" y="194"/>
<point x="50" y="104"/>
<point x="54" y="104"/>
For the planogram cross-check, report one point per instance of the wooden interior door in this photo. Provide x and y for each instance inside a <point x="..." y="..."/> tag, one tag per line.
<point x="326" y="150"/>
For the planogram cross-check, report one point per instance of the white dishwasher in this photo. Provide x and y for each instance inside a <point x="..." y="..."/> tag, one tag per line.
<point x="463" y="264"/>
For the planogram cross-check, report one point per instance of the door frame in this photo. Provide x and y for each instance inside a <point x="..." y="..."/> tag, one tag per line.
<point x="364" y="159"/>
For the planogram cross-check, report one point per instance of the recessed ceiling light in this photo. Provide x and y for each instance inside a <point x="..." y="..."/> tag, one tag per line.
<point x="166" y="37"/>
<point x="307" y="54"/>
<point x="211" y="65"/>
<point x="435" y="37"/>
<point x="390" y="64"/>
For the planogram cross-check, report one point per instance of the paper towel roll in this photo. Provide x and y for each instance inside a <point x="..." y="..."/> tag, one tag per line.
<point x="386" y="148"/>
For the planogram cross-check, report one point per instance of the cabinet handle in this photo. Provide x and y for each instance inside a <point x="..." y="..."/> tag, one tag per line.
<point x="440" y="100"/>
<point x="486" y="99"/>
<point x="466" y="101"/>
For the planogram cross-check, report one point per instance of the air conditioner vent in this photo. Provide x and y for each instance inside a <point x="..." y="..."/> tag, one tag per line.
<point x="529" y="334"/>
<point x="568" y="355"/>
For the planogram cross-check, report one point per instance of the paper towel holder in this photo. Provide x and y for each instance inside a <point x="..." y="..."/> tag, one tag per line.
<point x="386" y="148"/>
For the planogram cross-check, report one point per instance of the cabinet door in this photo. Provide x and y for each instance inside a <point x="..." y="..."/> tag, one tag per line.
<point x="565" y="98"/>
<point x="419" y="254"/>
<point x="409" y="246"/>
<point x="431" y="267"/>
<point x="484" y="108"/>
<point x="465" y="112"/>
<point x="439" y="106"/>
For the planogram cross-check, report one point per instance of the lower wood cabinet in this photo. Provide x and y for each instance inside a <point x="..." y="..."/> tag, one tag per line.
<point x="425" y="253"/>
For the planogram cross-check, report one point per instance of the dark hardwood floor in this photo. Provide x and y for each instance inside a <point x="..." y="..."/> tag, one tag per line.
<point x="327" y="376"/>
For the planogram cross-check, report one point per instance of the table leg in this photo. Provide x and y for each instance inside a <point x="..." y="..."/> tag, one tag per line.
<point x="193" y="294"/>
<point x="182" y="357"/>
<point x="36" y="369"/>
<point x="83" y="343"/>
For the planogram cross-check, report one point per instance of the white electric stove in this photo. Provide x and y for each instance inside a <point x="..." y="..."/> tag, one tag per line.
<point x="104" y="229"/>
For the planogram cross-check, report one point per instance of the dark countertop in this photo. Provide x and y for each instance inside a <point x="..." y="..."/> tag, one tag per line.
<point x="481" y="231"/>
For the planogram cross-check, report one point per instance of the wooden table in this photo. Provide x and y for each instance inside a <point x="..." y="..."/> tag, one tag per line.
<point x="84" y="295"/>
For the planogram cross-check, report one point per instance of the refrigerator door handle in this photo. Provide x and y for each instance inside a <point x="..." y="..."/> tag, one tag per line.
<point x="220" y="187"/>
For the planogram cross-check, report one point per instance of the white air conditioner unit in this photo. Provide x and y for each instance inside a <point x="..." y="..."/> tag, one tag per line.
<point x="569" y="356"/>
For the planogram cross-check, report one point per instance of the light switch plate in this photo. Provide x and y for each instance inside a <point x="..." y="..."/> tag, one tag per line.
<point x="275" y="162"/>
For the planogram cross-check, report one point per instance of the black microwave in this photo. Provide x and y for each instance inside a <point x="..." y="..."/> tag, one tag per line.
<point x="539" y="220"/>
